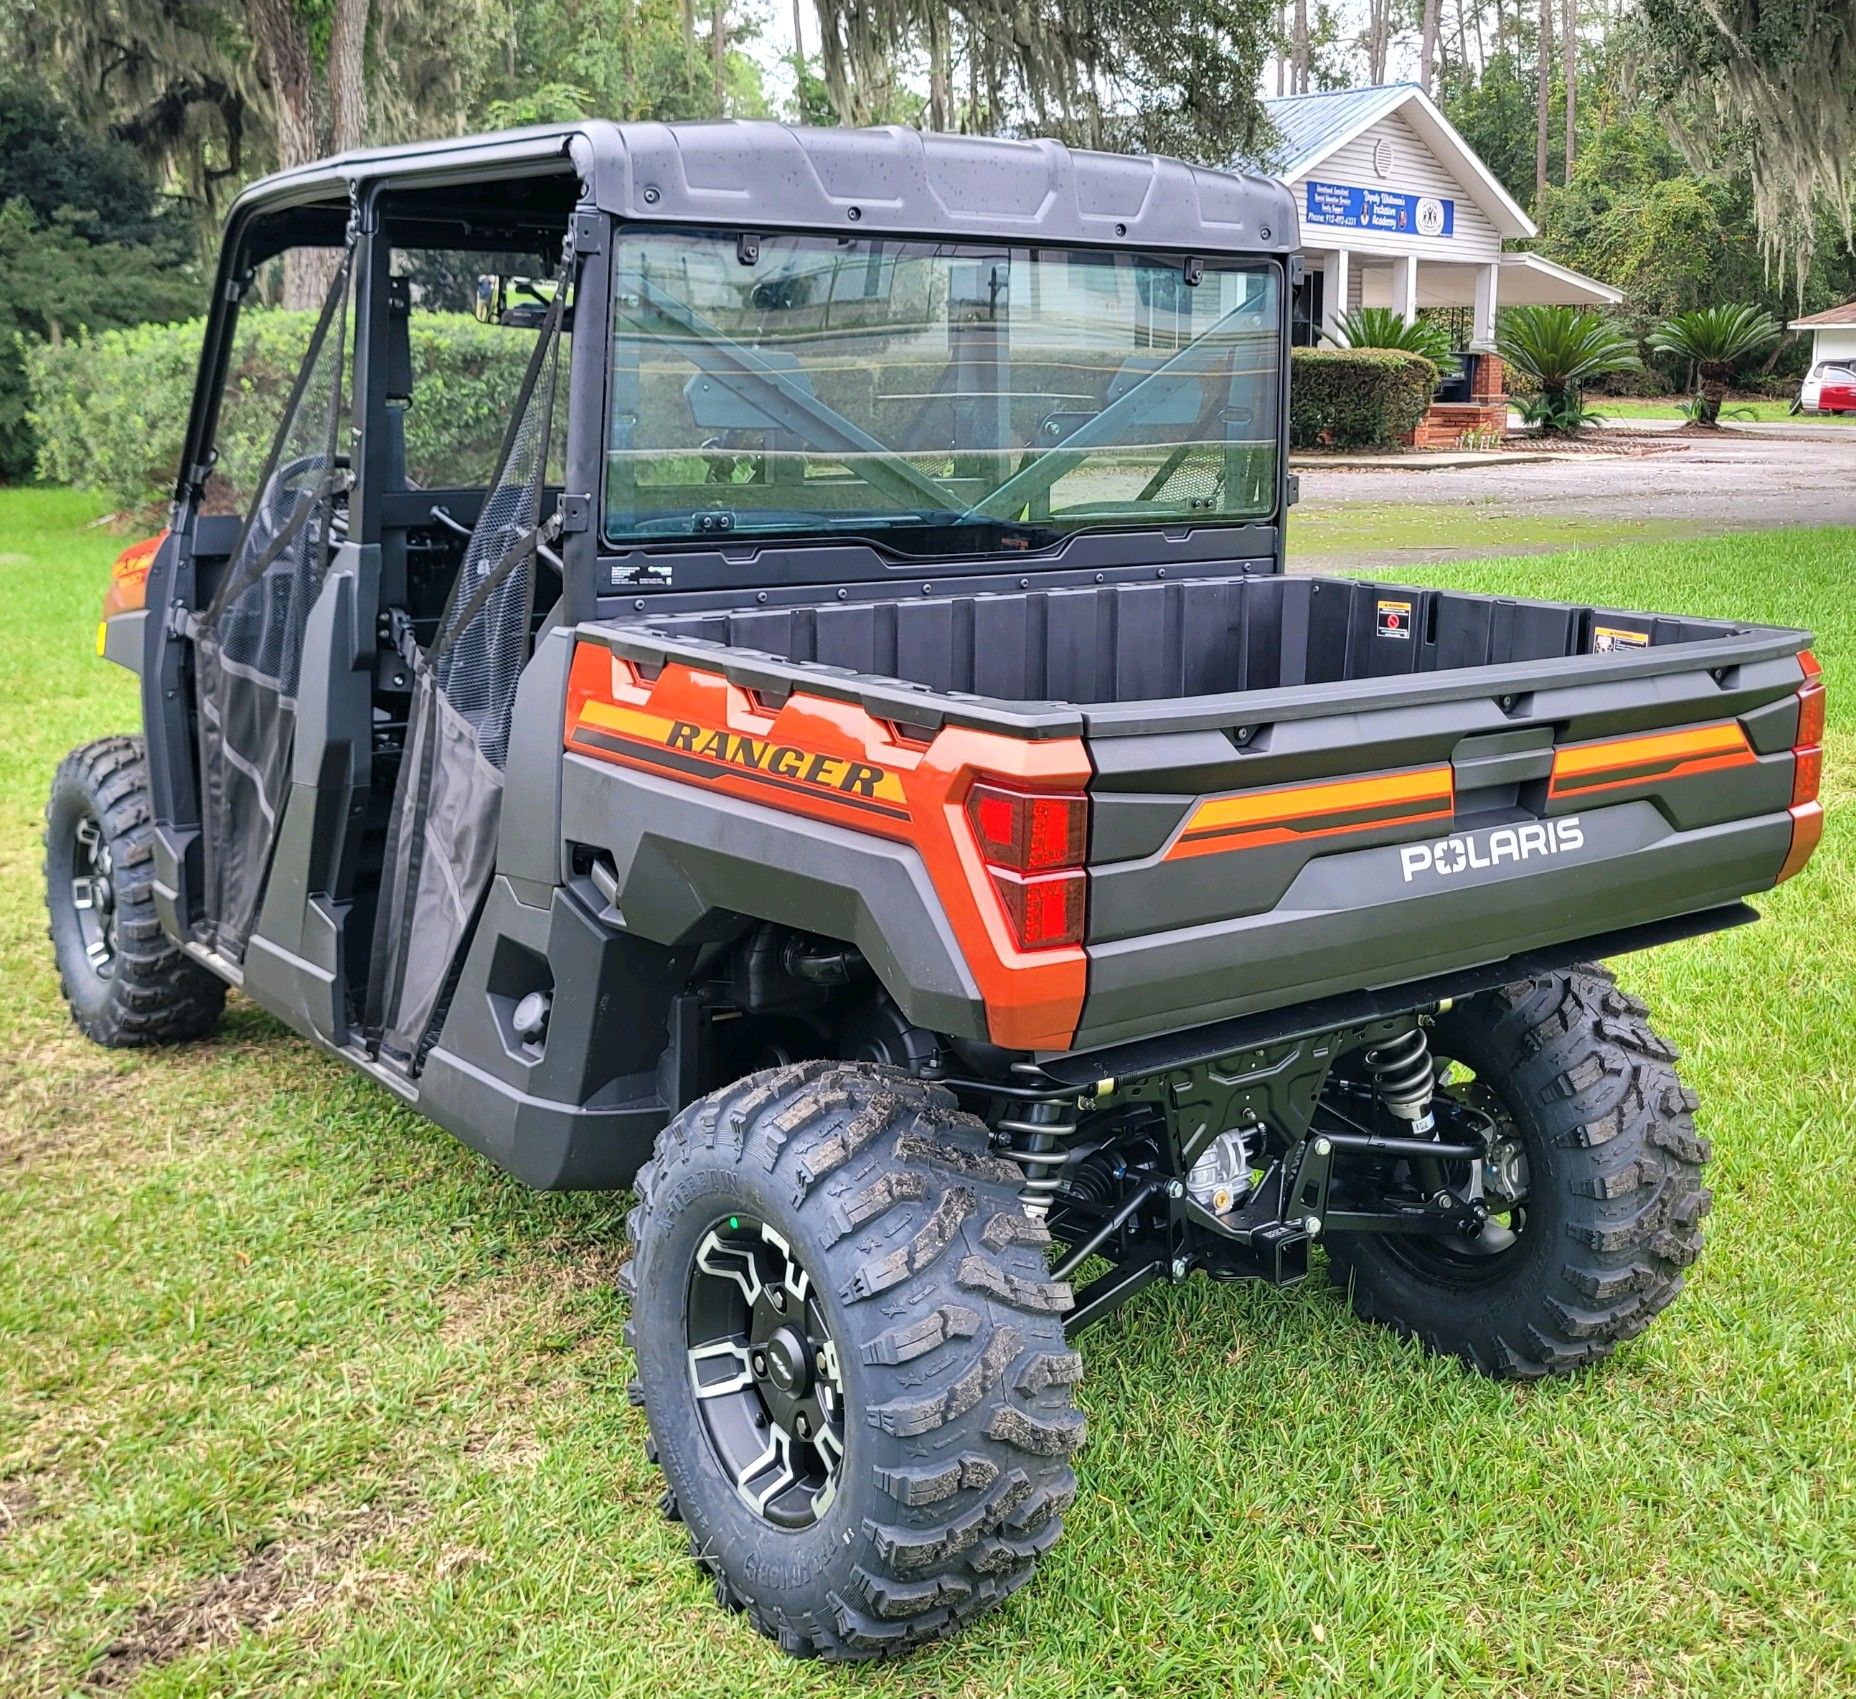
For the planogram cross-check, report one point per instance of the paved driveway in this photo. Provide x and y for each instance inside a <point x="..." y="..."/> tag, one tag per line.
<point x="1741" y="480"/>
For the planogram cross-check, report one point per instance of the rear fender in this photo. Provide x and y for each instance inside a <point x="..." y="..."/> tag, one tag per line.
<point x="810" y="811"/>
<point x="121" y="629"/>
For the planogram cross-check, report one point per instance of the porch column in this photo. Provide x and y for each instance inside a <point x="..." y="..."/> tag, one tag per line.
<point x="1405" y="287"/>
<point x="1335" y="281"/>
<point x="1483" y="333"/>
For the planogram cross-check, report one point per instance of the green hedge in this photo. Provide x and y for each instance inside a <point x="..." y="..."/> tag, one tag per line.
<point x="1357" y="397"/>
<point x="110" y="410"/>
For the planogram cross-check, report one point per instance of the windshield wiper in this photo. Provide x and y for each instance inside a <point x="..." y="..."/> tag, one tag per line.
<point x="742" y="370"/>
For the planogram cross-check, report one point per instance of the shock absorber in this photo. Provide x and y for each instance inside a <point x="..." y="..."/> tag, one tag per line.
<point x="1036" y="1132"/>
<point x="1405" y="1078"/>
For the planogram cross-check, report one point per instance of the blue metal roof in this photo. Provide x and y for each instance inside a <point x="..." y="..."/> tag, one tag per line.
<point x="1307" y="124"/>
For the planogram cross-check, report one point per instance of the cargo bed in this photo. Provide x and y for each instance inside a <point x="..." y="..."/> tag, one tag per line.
<point x="1121" y="645"/>
<point x="1302" y="787"/>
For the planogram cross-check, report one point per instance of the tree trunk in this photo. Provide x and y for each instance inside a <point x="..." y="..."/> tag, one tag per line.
<point x="1543" y="99"/>
<point x="1299" y="82"/>
<point x="1427" y="47"/>
<point x="1569" y="75"/>
<point x="283" y="51"/>
<point x="799" y="54"/>
<point x="972" y="125"/>
<point x="1713" y="394"/>
<point x="348" y="74"/>
<point x="940" y="52"/>
<point x="1378" y="39"/>
<point x="718" y="45"/>
<point x="689" y="46"/>
<point x="1778" y="351"/>
<point x="1282" y="45"/>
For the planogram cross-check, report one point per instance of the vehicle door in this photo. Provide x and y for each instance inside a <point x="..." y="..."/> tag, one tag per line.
<point x="447" y="804"/>
<point x="248" y="618"/>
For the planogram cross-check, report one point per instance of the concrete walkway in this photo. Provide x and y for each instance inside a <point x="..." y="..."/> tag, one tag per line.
<point x="1740" y="480"/>
<point x="1425" y="460"/>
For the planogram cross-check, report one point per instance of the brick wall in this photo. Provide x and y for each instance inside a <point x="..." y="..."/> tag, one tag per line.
<point x="1490" y="378"/>
<point x="1448" y="420"/>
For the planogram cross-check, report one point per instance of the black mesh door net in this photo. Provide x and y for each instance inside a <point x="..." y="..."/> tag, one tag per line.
<point x="441" y="843"/>
<point x="248" y="643"/>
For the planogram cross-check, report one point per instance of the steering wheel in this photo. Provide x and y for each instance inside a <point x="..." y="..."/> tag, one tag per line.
<point x="292" y="483"/>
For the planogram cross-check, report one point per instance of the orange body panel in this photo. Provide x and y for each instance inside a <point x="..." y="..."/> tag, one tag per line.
<point x="128" y="588"/>
<point x="832" y="761"/>
<point x="1289" y="813"/>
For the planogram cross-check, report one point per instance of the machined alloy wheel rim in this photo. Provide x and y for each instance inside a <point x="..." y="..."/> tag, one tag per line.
<point x="765" y="1371"/>
<point x="93" y="895"/>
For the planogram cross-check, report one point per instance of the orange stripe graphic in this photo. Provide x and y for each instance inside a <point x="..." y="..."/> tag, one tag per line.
<point x="1618" y="762"/>
<point x="1290" y="813"/>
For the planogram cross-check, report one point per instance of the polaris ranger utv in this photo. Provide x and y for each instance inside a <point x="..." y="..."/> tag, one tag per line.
<point x="838" y="753"/>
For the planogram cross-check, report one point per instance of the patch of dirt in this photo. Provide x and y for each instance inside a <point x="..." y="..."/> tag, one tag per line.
<point x="1637" y="446"/>
<point x="507" y="1451"/>
<point x="66" y="1098"/>
<point x="273" y="1582"/>
<point x="17" y="1503"/>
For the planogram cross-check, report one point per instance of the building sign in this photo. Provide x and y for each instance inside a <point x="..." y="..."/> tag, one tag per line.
<point x="1384" y="210"/>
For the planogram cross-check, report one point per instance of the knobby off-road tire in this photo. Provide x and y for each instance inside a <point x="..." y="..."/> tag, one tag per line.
<point x="127" y="983"/>
<point x="1614" y="1196"/>
<point x="958" y="1415"/>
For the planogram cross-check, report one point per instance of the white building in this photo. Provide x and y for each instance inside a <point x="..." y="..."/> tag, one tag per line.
<point x="1833" y="334"/>
<point x="1397" y="211"/>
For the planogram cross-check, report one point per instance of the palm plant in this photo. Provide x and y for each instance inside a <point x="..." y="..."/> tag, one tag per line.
<point x="1381" y="327"/>
<point x="1561" y="349"/>
<point x="1715" y="340"/>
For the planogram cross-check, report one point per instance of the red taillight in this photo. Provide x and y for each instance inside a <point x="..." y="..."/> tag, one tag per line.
<point x="1807" y="769"/>
<point x="1811" y="714"/>
<point x="1028" y="832"/>
<point x="1807" y="774"/>
<point x="1044" y="912"/>
<point x="1034" y="844"/>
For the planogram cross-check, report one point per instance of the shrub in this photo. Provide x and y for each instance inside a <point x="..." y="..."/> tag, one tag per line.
<point x="1714" y="340"/>
<point x="1381" y="327"/>
<point x="110" y="410"/>
<point x="1357" y="397"/>
<point x="1562" y="349"/>
<point x="1645" y="383"/>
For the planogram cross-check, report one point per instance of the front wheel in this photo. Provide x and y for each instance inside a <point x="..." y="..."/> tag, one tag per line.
<point x="126" y="982"/>
<point x="850" y="1356"/>
<point x="1594" y="1178"/>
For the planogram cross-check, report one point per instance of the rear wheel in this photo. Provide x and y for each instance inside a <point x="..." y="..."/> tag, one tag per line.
<point x="1594" y="1182"/>
<point x="850" y="1357"/>
<point x="127" y="982"/>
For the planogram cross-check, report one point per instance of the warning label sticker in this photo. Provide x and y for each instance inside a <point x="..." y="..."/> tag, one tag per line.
<point x="1606" y="638"/>
<point x="1395" y="619"/>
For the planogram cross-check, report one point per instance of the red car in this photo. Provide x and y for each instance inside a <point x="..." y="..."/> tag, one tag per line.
<point x="1829" y="387"/>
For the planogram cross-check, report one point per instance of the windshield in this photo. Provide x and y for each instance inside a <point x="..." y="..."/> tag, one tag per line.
<point x="934" y="396"/>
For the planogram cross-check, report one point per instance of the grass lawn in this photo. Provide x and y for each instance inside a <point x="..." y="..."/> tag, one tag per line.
<point x="1735" y="412"/>
<point x="298" y="1394"/>
<point x="1348" y="527"/>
